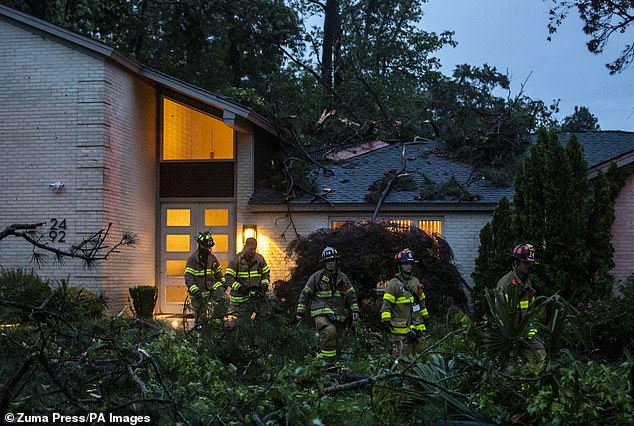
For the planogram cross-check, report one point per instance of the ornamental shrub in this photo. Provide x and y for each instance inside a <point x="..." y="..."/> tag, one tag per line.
<point x="22" y="287"/>
<point x="367" y="252"/>
<point x="609" y="322"/>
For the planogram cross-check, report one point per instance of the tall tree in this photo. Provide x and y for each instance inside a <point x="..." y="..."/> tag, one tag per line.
<point x="582" y="120"/>
<point x="496" y="242"/>
<point x="603" y="20"/>
<point x="553" y="210"/>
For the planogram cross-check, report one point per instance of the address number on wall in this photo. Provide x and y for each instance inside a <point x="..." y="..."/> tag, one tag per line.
<point x="57" y="231"/>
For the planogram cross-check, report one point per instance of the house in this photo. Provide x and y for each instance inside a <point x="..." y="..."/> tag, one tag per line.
<point x="163" y="159"/>
<point x="133" y="147"/>
<point x="445" y="197"/>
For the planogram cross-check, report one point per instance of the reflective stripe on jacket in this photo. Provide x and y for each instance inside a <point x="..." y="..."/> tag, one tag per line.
<point x="203" y="273"/>
<point x="512" y="282"/>
<point x="243" y="274"/>
<point x="323" y="297"/>
<point x="399" y="304"/>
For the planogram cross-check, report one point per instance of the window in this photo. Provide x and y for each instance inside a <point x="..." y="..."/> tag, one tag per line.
<point x="431" y="227"/>
<point x="192" y="135"/>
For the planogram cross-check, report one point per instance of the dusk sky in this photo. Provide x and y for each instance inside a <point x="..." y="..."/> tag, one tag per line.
<point x="512" y="36"/>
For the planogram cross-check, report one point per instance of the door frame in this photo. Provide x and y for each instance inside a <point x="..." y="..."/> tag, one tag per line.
<point x="197" y="209"/>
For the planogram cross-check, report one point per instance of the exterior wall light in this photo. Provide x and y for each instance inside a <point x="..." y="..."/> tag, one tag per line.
<point x="249" y="231"/>
<point x="56" y="186"/>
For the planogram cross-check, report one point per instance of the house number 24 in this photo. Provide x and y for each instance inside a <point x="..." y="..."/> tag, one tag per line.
<point x="57" y="231"/>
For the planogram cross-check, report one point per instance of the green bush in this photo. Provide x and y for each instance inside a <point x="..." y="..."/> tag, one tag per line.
<point x="76" y="304"/>
<point x="609" y="322"/>
<point x="585" y="393"/>
<point x="143" y="300"/>
<point x="22" y="287"/>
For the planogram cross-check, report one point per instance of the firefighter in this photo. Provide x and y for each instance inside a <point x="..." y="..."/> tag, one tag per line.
<point x="403" y="312"/>
<point x="330" y="297"/>
<point x="203" y="278"/>
<point x="248" y="276"/>
<point x="516" y="284"/>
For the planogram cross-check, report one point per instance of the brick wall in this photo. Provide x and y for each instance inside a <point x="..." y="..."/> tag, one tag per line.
<point x="129" y="188"/>
<point x="48" y="107"/>
<point x="623" y="231"/>
<point x="66" y="115"/>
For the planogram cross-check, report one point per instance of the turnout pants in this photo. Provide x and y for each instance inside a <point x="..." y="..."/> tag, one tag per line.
<point x="330" y="337"/>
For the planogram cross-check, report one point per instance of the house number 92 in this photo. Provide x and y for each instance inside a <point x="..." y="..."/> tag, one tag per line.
<point x="57" y="231"/>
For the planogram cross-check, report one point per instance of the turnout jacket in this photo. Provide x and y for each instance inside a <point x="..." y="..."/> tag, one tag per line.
<point x="244" y="275"/>
<point x="511" y="283"/>
<point x="404" y="305"/>
<point x="203" y="273"/>
<point x="324" y="294"/>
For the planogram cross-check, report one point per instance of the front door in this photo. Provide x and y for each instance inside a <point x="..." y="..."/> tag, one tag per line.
<point x="180" y="224"/>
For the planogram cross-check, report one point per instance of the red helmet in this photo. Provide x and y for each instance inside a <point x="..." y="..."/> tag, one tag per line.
<point x="524" y="252"/>
<point x="405" y="256"/>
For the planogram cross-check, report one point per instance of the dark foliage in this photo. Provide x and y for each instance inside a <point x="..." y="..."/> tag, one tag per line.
<point x="609" y="322"/>
<point x="493" y="261"/>
<point x="367" y="252"/>
<point x="143" y="300"/>
<point x="18" y="286"/>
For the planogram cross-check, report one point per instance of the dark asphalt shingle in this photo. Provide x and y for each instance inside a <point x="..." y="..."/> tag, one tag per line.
<point x="352" y="177"/>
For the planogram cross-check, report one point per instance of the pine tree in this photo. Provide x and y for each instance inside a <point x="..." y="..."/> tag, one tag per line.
<point x="493" y="261"/>
<point x="567" y="219"/>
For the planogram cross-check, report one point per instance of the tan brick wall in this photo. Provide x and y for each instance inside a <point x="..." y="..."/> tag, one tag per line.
<point x="48" y="105"/>
<point x="623" y="231"/>
<point x="129" y="189"/>
<point x="66" y="115"/>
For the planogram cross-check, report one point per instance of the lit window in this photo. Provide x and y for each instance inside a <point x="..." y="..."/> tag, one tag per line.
<point x="431" y="227"/>
<point x="400" y="225"/>
<point x="175" y="294"/>
<point x="178" y="217"/>
<point x="175" y="268"/>
<point x="222" y="243"/>
<point x="177" y="243"/>
<point x="216" y="217"/>
<point x="192" y="135"/>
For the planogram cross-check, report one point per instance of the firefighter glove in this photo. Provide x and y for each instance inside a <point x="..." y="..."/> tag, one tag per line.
<point x="299" y="316"/>
<point x="412" y="336"/>
<point x="386" y="326"/>
<point x="355" y="316"/>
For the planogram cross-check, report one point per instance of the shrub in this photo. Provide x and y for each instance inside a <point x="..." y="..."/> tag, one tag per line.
<point x="76" y="304"/>
<point x="366" y="253"/>
<point x="23" y="287"/>
<point x="609" y="322"/>
<point x="585" y="393"/>
<point x="143" y="300"/>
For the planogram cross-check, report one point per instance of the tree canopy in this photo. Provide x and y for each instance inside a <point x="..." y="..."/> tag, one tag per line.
<point x="603" y="20"/>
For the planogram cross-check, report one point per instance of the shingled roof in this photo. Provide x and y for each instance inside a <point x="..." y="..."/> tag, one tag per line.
<point x="425" y="162"/>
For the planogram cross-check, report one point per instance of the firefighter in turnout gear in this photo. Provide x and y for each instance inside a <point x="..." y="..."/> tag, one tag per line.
<point x="330" y="298"/>
<point x="403" y="312"/>
<point x="203" y="278"/>
<point x="248" y="276"/>
<point x="516" y="285"/>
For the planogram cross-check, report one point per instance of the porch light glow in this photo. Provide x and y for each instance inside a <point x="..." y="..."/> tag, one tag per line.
<point x="249" y="231"/>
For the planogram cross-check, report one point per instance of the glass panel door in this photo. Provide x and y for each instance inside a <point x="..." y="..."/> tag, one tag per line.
<point x="180" y="224"/>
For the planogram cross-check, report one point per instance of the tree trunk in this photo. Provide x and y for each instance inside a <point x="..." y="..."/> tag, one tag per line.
<point x="332" y="30"/>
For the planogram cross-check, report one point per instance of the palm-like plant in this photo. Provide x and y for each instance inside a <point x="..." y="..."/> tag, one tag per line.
<point x="510" y="332"/>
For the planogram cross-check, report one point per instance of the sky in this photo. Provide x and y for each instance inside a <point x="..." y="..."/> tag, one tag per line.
<point x="512" y="36"/>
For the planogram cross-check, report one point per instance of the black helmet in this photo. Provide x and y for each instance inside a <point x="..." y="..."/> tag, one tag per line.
<point x="329" y="253"/>
<point x="205" y="240"/>
<point x="405" y="256"/>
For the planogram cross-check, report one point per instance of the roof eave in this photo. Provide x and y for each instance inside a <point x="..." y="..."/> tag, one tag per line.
<point x="96" y="47"/>
<point x="369" y="208"/>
